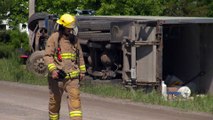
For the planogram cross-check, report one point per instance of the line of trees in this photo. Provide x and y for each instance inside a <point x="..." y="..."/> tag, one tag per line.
<point x="17" y="10"/>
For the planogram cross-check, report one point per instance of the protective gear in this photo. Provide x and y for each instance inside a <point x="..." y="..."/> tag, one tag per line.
<point x="72" y="61"/>
<point x="82" y="76"/>
<point x="67" y="56"/>
<point x="71" y="64"/>
<point x="58" y="52"/>
<point x="51" y="67"/>
<point x="73" y="98"/>
<point x="54" y="117"/>
<point x="55" y="74"/>
<point x="61" y="74"/>
<point x="67" y="21"/>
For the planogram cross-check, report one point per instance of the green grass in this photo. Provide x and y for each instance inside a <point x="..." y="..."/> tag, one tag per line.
<point x="198" y="104"/>
<point x="11" y="70"/>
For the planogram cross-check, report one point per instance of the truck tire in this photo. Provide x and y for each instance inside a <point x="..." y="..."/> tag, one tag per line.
<point x="95" y="36"/>
<point x="33" y="20"/>
<point x="36" y="65"/>
<point x="95" y="25"/>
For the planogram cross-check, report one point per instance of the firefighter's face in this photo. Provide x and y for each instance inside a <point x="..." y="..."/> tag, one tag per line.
<point x="67" y="31"/>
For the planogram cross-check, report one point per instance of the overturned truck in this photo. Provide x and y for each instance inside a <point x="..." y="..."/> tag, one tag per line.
<point x="143" y="50"/>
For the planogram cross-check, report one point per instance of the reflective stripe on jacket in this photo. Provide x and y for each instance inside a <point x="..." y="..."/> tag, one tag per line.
<point x="67" y="56"/>
<point x="73" y="74"/>
<point x="51" y="67"/>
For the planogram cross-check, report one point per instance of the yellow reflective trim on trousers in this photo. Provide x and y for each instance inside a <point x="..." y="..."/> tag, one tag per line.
<point x="76" y="114"/>
<point x="51" y="67"/>
<point x="54" y="117"/>
<point x="83" y="68"/>
<point x="73" y="74"/>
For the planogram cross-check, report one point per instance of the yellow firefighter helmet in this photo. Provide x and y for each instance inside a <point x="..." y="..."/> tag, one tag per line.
<point x="67" y="21"/>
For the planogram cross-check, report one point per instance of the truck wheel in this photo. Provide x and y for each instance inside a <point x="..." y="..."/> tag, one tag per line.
<point x="33" y="20"/>
<point x="36" y="64"/>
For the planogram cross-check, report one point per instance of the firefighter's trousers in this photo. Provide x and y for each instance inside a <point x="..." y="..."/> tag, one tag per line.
<point x="56" y="89"/>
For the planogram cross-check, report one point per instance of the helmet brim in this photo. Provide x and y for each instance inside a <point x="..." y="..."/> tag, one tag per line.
<point x="66" y="26"/>
<point x="59" y="22"/>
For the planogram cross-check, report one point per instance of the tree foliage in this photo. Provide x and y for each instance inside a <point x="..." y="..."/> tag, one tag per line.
<point x="4" y="8"/>
<point x="17" y="10"/>
<point x="57" y="6"/>
<point x="198" y="8"/>
<point x="129" y="7"/>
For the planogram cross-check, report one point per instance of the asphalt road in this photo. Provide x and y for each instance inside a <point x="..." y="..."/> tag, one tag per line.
<point x="28" y="102"/>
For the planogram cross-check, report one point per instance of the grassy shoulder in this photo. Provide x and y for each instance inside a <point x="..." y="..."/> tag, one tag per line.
<point x="198" y="104"/>
<point x="11" y="70"/>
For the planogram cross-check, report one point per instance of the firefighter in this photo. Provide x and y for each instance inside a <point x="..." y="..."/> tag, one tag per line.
<point x="63" y="56"/>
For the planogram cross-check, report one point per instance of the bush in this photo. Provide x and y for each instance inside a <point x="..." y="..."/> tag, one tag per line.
<point x="19" y="39"/>
<point x="5" y="50"/>
<point x="12" y="40"/>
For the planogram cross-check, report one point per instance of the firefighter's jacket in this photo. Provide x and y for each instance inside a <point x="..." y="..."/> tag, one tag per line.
<point x="71" y="62"/>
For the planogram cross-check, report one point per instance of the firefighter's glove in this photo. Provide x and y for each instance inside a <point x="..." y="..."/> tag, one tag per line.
<point x="82" y="76"/>
<point x="61" y="74"/>
<point x="54" y="74"/>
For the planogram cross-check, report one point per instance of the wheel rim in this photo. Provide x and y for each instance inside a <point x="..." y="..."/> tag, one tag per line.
<point x="39" y="66"/>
